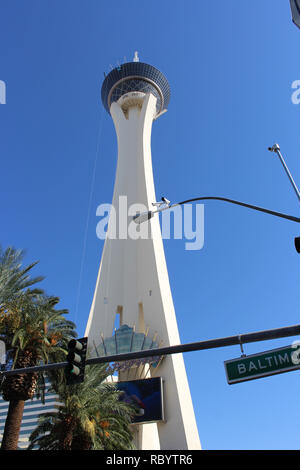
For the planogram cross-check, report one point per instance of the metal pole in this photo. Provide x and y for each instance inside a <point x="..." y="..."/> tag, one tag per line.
<point x="140" y="218"/>
<point x="276" y="149"/>
<point x="180" y="348"/>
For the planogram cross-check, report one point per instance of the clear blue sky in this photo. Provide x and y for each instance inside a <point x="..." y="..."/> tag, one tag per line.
<point x="230" y="66"/>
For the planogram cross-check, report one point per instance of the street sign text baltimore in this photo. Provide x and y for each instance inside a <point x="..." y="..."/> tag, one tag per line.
<point x="275" y="361"/>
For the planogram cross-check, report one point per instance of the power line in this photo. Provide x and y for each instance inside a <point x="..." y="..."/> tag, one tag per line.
<point x="88" y="213"/>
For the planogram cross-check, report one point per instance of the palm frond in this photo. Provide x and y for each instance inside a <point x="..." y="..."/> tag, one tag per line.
<point x="101" y="420"/>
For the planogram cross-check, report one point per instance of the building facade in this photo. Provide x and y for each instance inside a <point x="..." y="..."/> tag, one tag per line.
<point x="32" y="409"/>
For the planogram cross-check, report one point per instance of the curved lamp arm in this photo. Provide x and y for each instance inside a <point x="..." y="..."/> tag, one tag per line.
<point x="140" y="218"/>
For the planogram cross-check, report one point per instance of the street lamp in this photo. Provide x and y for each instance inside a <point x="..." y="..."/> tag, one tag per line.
<point x="276" y="149"/>
<point x="165" y="203"/>
<point x="144" y="216"/>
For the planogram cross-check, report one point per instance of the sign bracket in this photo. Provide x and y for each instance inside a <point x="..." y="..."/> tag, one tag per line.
<point x="241" y="346"/>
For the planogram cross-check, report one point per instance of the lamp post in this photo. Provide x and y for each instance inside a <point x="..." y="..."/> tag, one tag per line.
<point x="276" y="149"/>
<point x="144" y="216"/>
<point x="165" y="203"/>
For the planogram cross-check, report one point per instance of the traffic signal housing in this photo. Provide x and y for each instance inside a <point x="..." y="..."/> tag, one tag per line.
<point x="74" y="371"/>
<point x="297" y="244"/>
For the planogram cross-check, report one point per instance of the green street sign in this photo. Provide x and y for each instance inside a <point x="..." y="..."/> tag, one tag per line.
<point x="264" y="364"/>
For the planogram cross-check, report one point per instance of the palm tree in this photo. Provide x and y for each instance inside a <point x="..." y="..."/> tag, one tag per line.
<point x="13" y="277"/>
<point x="89" y="416"/>
<point x="35" y="332"/>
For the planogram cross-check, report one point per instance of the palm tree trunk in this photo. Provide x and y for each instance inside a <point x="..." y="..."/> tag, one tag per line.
<point x="13" y="425"/>
<point x="81" y="442"/>
<point x="70" y="426"/>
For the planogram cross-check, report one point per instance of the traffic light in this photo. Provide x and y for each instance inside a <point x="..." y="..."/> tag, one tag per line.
<point x="297" y="244"/>
<point x="74" y="371"/>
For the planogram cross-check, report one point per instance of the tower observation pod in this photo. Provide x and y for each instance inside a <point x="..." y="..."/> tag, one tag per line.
<point x="132" y="308"/>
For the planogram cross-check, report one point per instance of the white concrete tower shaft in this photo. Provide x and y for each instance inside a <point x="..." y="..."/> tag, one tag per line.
<point x="133" y="278"/>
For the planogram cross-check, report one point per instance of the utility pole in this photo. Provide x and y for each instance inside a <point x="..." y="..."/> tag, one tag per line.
<point x="253" y="337"/>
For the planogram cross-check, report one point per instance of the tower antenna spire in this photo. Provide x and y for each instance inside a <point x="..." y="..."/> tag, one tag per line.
<point x="136" y="57"/>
